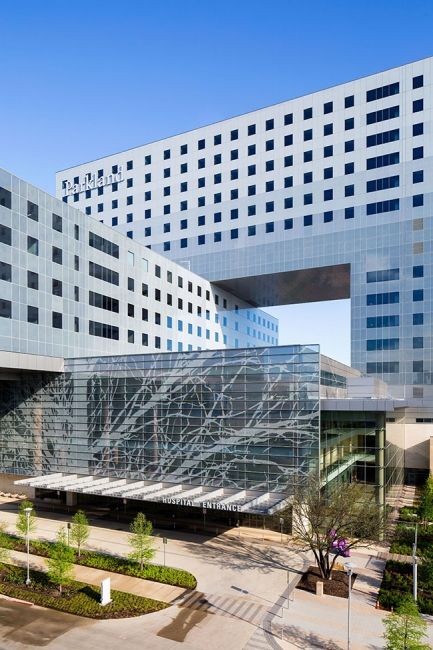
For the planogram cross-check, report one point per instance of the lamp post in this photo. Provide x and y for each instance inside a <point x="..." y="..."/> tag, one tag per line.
<point x="28" y="511"/>
<point x="415" y="565"/>
<point x="349" y="566"/>
<point x="415" y="573"/>
<point x="68" y="528"/>
<point x="281" y="529"/>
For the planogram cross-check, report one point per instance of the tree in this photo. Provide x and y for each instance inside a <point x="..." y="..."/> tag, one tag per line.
<point x="79" y="530"/>
<point x="330" y="523"/>
<point x="21" y="524"/>
<point x="425" y="509"/>
<point x="61" y="560"/>
<point x="141" y="540"/>
<point x="405" y="629"/>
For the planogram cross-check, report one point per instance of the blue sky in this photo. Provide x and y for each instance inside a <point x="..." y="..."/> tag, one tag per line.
<point x="80" y="80"/>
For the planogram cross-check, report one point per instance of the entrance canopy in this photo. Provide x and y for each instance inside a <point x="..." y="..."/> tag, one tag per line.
<point x="198" y="496"/>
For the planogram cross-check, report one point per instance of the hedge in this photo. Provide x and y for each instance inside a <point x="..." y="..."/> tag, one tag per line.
<point x="397" y="585"/>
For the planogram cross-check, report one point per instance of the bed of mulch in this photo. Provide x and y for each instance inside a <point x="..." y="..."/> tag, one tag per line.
<point x="338" y="586"/>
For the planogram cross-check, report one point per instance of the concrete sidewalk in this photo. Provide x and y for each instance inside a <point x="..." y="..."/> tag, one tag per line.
<point x="137" y="586"/>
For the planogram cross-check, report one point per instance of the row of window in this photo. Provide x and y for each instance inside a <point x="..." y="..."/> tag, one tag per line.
<point x="392" y="297"/>
<point x="377" y="345"/>
<point x="328" y="107"/>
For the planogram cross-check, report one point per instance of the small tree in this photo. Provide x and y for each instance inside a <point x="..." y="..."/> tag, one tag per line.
<point x="60" y="561"/>
<point x="405" y="629"/>
<point x="21" y="523"/>
<point x="330" y="524"/>
<point x="141" y="540"/>
<point x="79" y="530"/>
<point x="425" y="509"/>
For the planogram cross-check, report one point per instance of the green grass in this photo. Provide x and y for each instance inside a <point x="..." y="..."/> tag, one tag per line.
<point x="95" y="560"/>
<point x="79" y="598"/>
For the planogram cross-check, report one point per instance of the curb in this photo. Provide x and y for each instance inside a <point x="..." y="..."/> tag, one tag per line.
<point x="17" y="600"/>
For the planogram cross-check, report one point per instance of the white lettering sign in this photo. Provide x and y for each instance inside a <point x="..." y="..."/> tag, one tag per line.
<point x="91" y="182"/>
<point x="215" y="505"/>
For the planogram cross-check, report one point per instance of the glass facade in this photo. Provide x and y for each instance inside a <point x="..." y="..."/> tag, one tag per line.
<point x="246" y="419"/>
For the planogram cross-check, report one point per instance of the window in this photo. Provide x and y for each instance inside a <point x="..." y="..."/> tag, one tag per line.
<point x="349" y="101"/>
<point x="5" y="198"/>
<point x="57" y="222"/>
<point x="383" y="344"/>
<point x="288" y="202"/>
<point x="417" y="319"/>
<point x="57" y="287"/>
<point x="308" y="134"/>
<point x="57" y="320"/>
<point x="217" y="236"/>
<point x="201" y="144"/>
<point x="288" y="224"/>
<point x="417" y="153"/>
<point x="383" y="183"/>
<point x="382" y="367"/>
<point x="234" y="213"/>
<point x="417" y="129"/>
<point x="102" y="273"/>
<point x="32" y="245"/>
<point x="383" y="161"/>
<point x="349" y="213"/>
<point x="417" y="82"/>
<point x="308" y="113"/>
<point x="57" y="255"/>
<point x="184" y="243"/>
<point x="76" y="263"/>
<point x="5" y="235"/>
<point x="183" y="149"/>
<point x="269" y="166"/>
<point x="417" y="342"/>
<point x="328" y="151"/>
<point x="32" y="211"/>
<point x="144" y="339"/>
<point x="76" y="294"/>
<point x="383" y="91"/>
<point x="217" y="217"/>
<point x="5" y="308"/>
<point x="251" y="210"/>
<point x="418" y="295"/>
<point x="288" y="140"/>
<point x="288" y="181"/>
<point x="103" y="302"/>
<point x="269" y="124"/>
<point x="269" y="226"/>
<point x="217" y="139"/>
<point x="328" y="129"/>
<point x="269" y="186"/>
<point x="201" y="239"/>
<point x="269" y="206"/>
<point x="328" y="107"/>
<point x="234" y="135"/>
<point x="383" y="206"/>
<point x="288" y="119"/>
<point x="383" y="114"/>
<point x="328" y="172"/>
<point x="251" y="170"/>
<point x="32" y="280"/>
<point x="234" y="174"/>
<point x="103" y="330"/>
<point x="383" y="321"/>
<point x="417" y="105"/>
<point x="390" y="298"/>
<point x="5" y="272"/>
<point x="32" y="315"/>
<point x="251" y="231"/>
<point x="144" y="314"/>
<point x="328" y="195"/>
<point x="349" y="123"/>
<point x="383" y="138"/>
<point x="349" y="168"/>
<point x="308" y="220"/>
<point x="349" y="146"/>
<point x="308" y="156"/>
<point x="417" y="200"/>
<point x="418" y="271"/>
<point x="234" y="234"/>
<point x="103" y="245"/>
<point x="251" y="129"/>
<point x="328" y="216"/>
<point x="418" y="176"/>
<point x="288" y="161"/>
